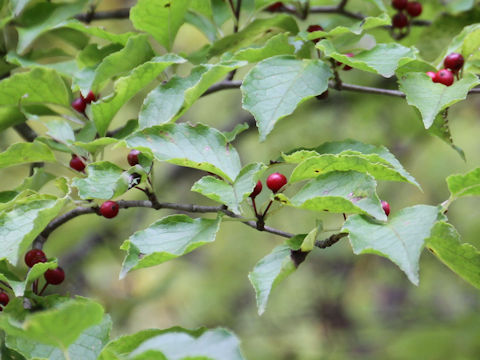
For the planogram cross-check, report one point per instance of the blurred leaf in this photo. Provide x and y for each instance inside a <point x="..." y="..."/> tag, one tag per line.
<point x="463" y="259"/>
<point x="65" y="68"/>
<point x="160" y="18"/>
<point x="199" y="147"/>
<point x="99" y="32"/>
<point x="430" y="98"/>
<point x="203" y="24"/>
<point x="60" y="130"/>
<point x="348" y="192"/>
<point x="401" y="239"/>
<point x="167" y="239"/>
<point x="276" y="86"/>
<point x="126" y="87"/>
<point x="87" y="346"/>
<point x="10" y="116"/>
<point x="467" y="184"/>
<point x="105" y="181"/>
<point x="458" y="6"/>
<point x="230" y="195"/>
<point x="169" y="101"/>
<point x="22" y="153"/>
<point x="276" y="45"/>
<point x="92" y="54"/>
<point x="96" y="145"/>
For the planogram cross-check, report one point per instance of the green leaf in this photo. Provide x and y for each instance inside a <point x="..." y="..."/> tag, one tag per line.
<point x="66" y="68"/>
<point x="126" y="87"/>
<point x="87" y="346"/>
<point x="99" y="32"/>
<point x="22" y="153"/>
<point x="269" y="272"/>
<point x="230" y="195"/>
<point x="60" y="130"/>
<point x="34" y="273"/>
<point x="35" y="182"/>
<point x="39" y="85"/>
<point x="105" y="181"/>
<point x="401" y="239"/>
<point x="463" y="259"/>
<point x="239" y="128"/>
<point x="467" y="184"/>
<point x="166" y="239"/>
<point x="59" y="327"/>
<point x="275" y="86"/>
<point x="383" y="59"/>
<point x="43" y="17"/>
<point x="199" y="147"/>
<point x="169" y="101"/>
<point x="10" y="116"/>
<point x="92" y="54"/>
<point x="23" y="220"/>
<point x="96" y="145"/>
<point x="258" y="31"/>
<point x="203" y="24"/>
<point x="175" y="343"/>
<point x="441" y="129"/>
<point x="276" y="45"/>
<point x="160" y="18"/>
<point x="347" y="192"/>
<point x="430" y="98"/>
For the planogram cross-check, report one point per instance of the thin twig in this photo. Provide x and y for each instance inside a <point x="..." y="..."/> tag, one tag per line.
<point x="333" y="239"/>
<point x="104" y="15"/>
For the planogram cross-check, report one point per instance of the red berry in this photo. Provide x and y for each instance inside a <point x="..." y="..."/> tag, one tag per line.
<point x="444" y="77"/>
<point x="454" y="62"/>
<point x="414" y="8"/>
<point x="313" y="28"/>
<point x="35" y="256"/>
<point x="54" y="276"/>
<point x="399" y="4"/>
<point x="77" y="163"/>
<point x="346" y="67"/>
<point x="79" y="104"/>
<point x="132" y="157"/>
<point x="277" y="6"/>
<point x="90" y="97"/>
<point x="276" y="181"/>
<point x="4" y="299"/>
<point x="257" y="189"/>
<point x="432" y="75"/>
<point x="109" y="209"/>
<point x="386" y="207"/>
<point x="399" y="20"/>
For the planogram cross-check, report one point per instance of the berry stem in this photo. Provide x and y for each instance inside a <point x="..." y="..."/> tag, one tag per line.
<point x="35" y="286"/>
<point x="268" y="207"/>
<point x="43" y="289"/>
<point x="255" y="207"/>
<point x="344" y="216"/>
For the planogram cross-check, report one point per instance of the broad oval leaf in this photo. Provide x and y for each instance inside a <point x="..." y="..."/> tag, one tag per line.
<point x="275" y="86"/>
<point x="401" y="239"/>
<point x="277" y="45"/>
<point x="464" y="184"/>
<point x="199" y="147"/>
<point x="22" y="153"/>
<point x="166" y="239"/>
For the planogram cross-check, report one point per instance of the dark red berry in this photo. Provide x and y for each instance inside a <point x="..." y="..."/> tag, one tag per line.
<point x="323" y="95"/>
<point x="347" y="67"/>
<point x="90" y="97"/>
<point x="132" y="157"/>
<point x="276" y="6"/>
<point x="4" y="298"/>
<point x="454" y="62"/>
<point x="399" y="4"/>
<point x="444" y="77"/>
<point x="109" y="209"/>
<point x="432" y="75"/>
<point x="77" y="163"/>
<point x="79" y="104"/>
<point x="257" y="189"/>
<point x="386" y="207"/>
<point x="54" y="276"/>
<point x="414" y="8"/>
<point x="276" y="181"/>
<point x="399" y="20"/>
<point x="313" y="28"/>
<point x="35" y="256"/>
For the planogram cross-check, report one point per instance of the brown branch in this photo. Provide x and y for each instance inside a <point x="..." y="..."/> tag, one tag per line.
<point x="322" y="244"/>
<point x="26" y="132"/>
<point x="104" y="15"/>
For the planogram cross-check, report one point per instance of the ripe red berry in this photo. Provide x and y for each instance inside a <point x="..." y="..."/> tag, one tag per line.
<point x="386" y="207"/>
<point x="132" y="157"/>
<point x="276" y="181"/>
<point x="346" y="67"/>
<point x="444" y="77"/>
<point x="77" y="163"/>
<point x="432" y="75"/>
<point x="4" y="298"/>
<point x="35" y="256"/>
<point x="399" y="4"/>
<point x="454" y="62"/>
<point x="277" y="6"/>
<point x="257" y="189"/>
<point x="399" y="20"/>
<point x="90" y="97"/>
<point x="54" y="276"/>
<point x="79" y="104"/>
<point x="109" y="209"/>
<point x="414" y="8"/>
<point x="313" y="28"/>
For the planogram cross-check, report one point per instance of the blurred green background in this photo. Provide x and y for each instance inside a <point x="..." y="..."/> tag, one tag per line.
<point x="337" y="305"/>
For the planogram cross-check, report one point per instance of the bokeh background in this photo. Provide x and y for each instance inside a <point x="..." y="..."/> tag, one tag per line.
<point x="336" y="305"/>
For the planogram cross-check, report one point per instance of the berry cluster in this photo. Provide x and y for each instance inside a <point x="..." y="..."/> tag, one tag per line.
<point x="80" y="104"/>
<point x="453" y="64"/>
<point x="52" y="276"/>
<point x="412" y="8"/>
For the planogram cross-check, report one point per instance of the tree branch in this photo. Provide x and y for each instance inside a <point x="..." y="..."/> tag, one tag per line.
<point x="104" y="15"/>
<point x="26" y="132"/>
<point x="323" y="244"/>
